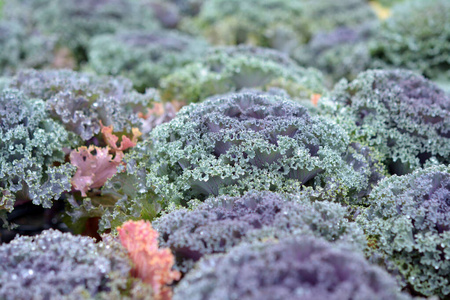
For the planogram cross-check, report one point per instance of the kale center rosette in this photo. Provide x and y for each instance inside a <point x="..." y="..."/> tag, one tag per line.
<point x="233" y="143"/>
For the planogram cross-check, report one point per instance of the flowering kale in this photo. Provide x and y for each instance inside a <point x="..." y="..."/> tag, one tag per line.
<point x="417" y="37"/>
<point x="31" y="144"/>
<point x="343" y="52"/>
<point x="231" y="69"/>
<point x="233" y="143"/>
<point x="266" y="23"/>
<point x="327" y="15"/>
<point x="279" y="24"/>
<point x="403" y="115"/>
<point x="23" y="49"/>
<point x="144" y="56"/>
<point x="81" y="101"/>
<point x="75" y="22"/>
<point x="299" y="269"/>
<point x="221" y="223"/>
<point x="55" y="265"/>
<point x="409" y="219"/>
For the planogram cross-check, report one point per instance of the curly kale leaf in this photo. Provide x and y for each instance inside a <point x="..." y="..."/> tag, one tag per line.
<point x="223" y="222"/>
<point x="417" y="37"/>
<point x="409" y="219"/>
<point x="55" y="265"/>
<point x="81" y="101"/>
<point x="31" y="146"/>
<point x="296" y="268"/>
<point x="403" y="115"/>
<point x="144" y="56"/>
<point x="231" y="69"/>
<point x="234" y="143"/>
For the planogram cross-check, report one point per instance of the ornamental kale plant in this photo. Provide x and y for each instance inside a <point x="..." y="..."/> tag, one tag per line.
<point x="342" y="52"/>
<point x="81" y="101"/>
<point x="230" y="69"/>
<point x="234" y="143"/>
<point x="31" y="151"/>
<point x="403" y="115"/>
<point x="75" y="22"/>
<point x="279" y="24"/>
<point x="220" y="223"/>
<point x="409" y="222"/>
<point x="22" y="48"/>
<point x="267" y="23"/>
<point x="296" y="268"/>
<point x="144" y="56"/>
<point x="55" y="265"/>
<point x="417" y="37"/>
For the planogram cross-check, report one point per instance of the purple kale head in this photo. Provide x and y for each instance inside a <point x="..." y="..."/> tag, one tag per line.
<point x="234" y="143"/>
<point x="81" y="101"/>
<point x="301" y="268"/>
<point x="31" y="147"/>
<point x="409" y="221"/>
<point x="55" y="265"/>
<point x="403" y="115"/>
<point x="223" y="222"/>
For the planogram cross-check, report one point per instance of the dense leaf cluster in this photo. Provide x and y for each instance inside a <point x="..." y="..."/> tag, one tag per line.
<point x="417" y="37"/>
<point x="342" y="52"/>
<point x="31" y="152"/>
<point x="73" y="23"/>
<point x="300" y="268"/>
<point x="22" y="48"/>
<point x="219" y="224"/>
<point x="402" y="114"/>
<point x="279" y="24"/>
<point x="144" y="56"/>
<point x="81" y="101"/>
<point x="409" y="220"/>
<point x="233" y="143"/>
<point x="230" y="69"/>
<point x="55" y="265"/>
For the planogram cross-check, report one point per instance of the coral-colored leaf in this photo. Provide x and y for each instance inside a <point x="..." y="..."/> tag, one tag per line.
<point x="93" y="170"/>
<point x="112" y="139"/>
<point x="152" y="265"/>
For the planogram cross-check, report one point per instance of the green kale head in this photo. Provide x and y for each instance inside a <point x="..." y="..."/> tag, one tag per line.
<point x="409" y="223"/>
<point x="144" y="57"/>
<point x="230" y="69"/>
<point x="31" y="151"/>
<point x="403" y="115"/>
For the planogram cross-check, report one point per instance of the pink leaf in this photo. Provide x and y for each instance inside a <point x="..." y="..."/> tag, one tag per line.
<point x="93" y="170"/>
<point x="152" y="265"/>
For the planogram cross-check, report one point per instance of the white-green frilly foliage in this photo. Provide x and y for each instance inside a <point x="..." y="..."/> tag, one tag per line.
<point x="416" y="37"/>
<point x="31" y="152"/>
<point x="230" y="69"/>
<point x="409" y="223"/>
<point x="400" y="113"/>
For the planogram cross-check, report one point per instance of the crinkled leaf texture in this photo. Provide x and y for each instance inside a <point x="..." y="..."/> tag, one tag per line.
<point x="297" y="268"/>
<point x="232" y="143"/>
<point x="409" y="220"/>
<point x="81" y="101"/>
<point x="31" y="151"/>
<point x="93" y="170"/>
<point x="152" y="264"/>
<point x="56" y="265"/>
<point x="219" y="224"/>
<point x="230" y="69"/>
<point x="144" y="57"/>
<point x="400" y="113"/>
